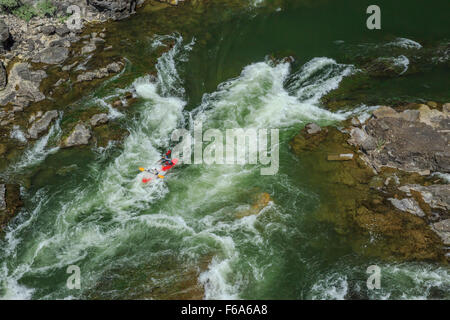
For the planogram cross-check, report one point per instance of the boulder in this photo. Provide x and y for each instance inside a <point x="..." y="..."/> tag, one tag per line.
<point x="114" y="67"/>
<point x="48" y="30"/>
<point x="52" y="55"/>
<point x="437" y="196"/>
<point x="62" y="31"/>
<point x="98" y="119"/>
<point x="22" y="86"/>
<point x="79" y="136"/>
<point x="90" y="47"/>
<point x="312" y="128"/>
<point x="442" y="228"/>
<point x="408" y="205"/>
<point x="360" y="138"/>
<point x="41" y="125"/>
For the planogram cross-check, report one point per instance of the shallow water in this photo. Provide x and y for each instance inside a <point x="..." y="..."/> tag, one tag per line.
<point x="87" y="207"/>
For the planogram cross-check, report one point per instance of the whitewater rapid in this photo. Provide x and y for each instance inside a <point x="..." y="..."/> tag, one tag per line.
<point x="111" y="220"/>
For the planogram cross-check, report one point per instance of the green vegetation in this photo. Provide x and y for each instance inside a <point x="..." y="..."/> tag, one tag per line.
<point x="24" y="12"/>
<point x="9" y="5"/>
<point x="44" y="8"/>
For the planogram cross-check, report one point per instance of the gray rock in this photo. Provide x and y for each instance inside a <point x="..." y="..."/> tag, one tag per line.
<point x="52" y="55"/>
<point x="62" y="31"/>
<point x="408" y="205"/>
<point x="114" y="67"/>
<point x="23" y="86"/>
<point x="312" y="128"/>
<point x="3" y="76"/>
<point x="79" y="136"/>
<point x="360" y="138"/>
<point x="98" y="119"/>
<point x="4" y="34"/>
<point x="437" y="196"/>
<point x="41" y="125"/>
<point x="413" y="140"/>
<point x="90" y="47"/>
<point x="442" y="228"/>
<point x="48" y="30"/>
<point x="2" y="197"/>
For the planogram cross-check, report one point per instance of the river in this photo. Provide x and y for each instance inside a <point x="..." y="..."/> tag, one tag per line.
<point x="89" y="208"/>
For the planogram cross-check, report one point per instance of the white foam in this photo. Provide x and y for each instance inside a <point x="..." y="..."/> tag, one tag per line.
<point x="405" y="43"/>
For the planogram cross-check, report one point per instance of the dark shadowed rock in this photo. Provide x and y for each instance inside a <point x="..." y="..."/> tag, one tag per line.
<point x="62" y="31"/>
<point x="4" y="35"/>
<point x="9" y="202"/>
<point x="79" y="136"/>
<point x="48" y="30"/>
<point x="3" y="76"/>
<point x="41" y="125"/>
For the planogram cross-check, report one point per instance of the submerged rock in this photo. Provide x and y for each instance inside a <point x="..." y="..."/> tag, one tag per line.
<point x="79" y="136"/>
<point x="10" y="202"/>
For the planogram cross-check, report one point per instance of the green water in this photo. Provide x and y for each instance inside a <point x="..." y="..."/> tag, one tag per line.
<point x="87" y="207"/>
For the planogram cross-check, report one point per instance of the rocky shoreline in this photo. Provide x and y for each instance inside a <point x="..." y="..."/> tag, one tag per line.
<point x="42" y="59"/>
<point x="392" y="168"/>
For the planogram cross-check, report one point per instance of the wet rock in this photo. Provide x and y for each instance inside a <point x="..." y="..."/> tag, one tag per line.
<point x="100" y="73"/>
<point x="312" y="128"/>
<point x="23" y="86"/>
<point x="79" y="136"/>
<point x="442" y="228"/>
<point x="41" y="125"/>
<point x="432" y="104"/>
<point x="52" y="55"/>
<point x="436" y="196"/>
<point x="90" y="47"/>
<point x="260" y="201"/>
<point x="407" y="205"/>
<point x="99" y="119"/>
<point x="114" y="67"/>
<point x="355" y="122"/>
<point x="117" y="104"/>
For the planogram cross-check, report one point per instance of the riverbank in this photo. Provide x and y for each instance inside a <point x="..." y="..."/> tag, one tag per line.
<point x="387" y="177"/>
